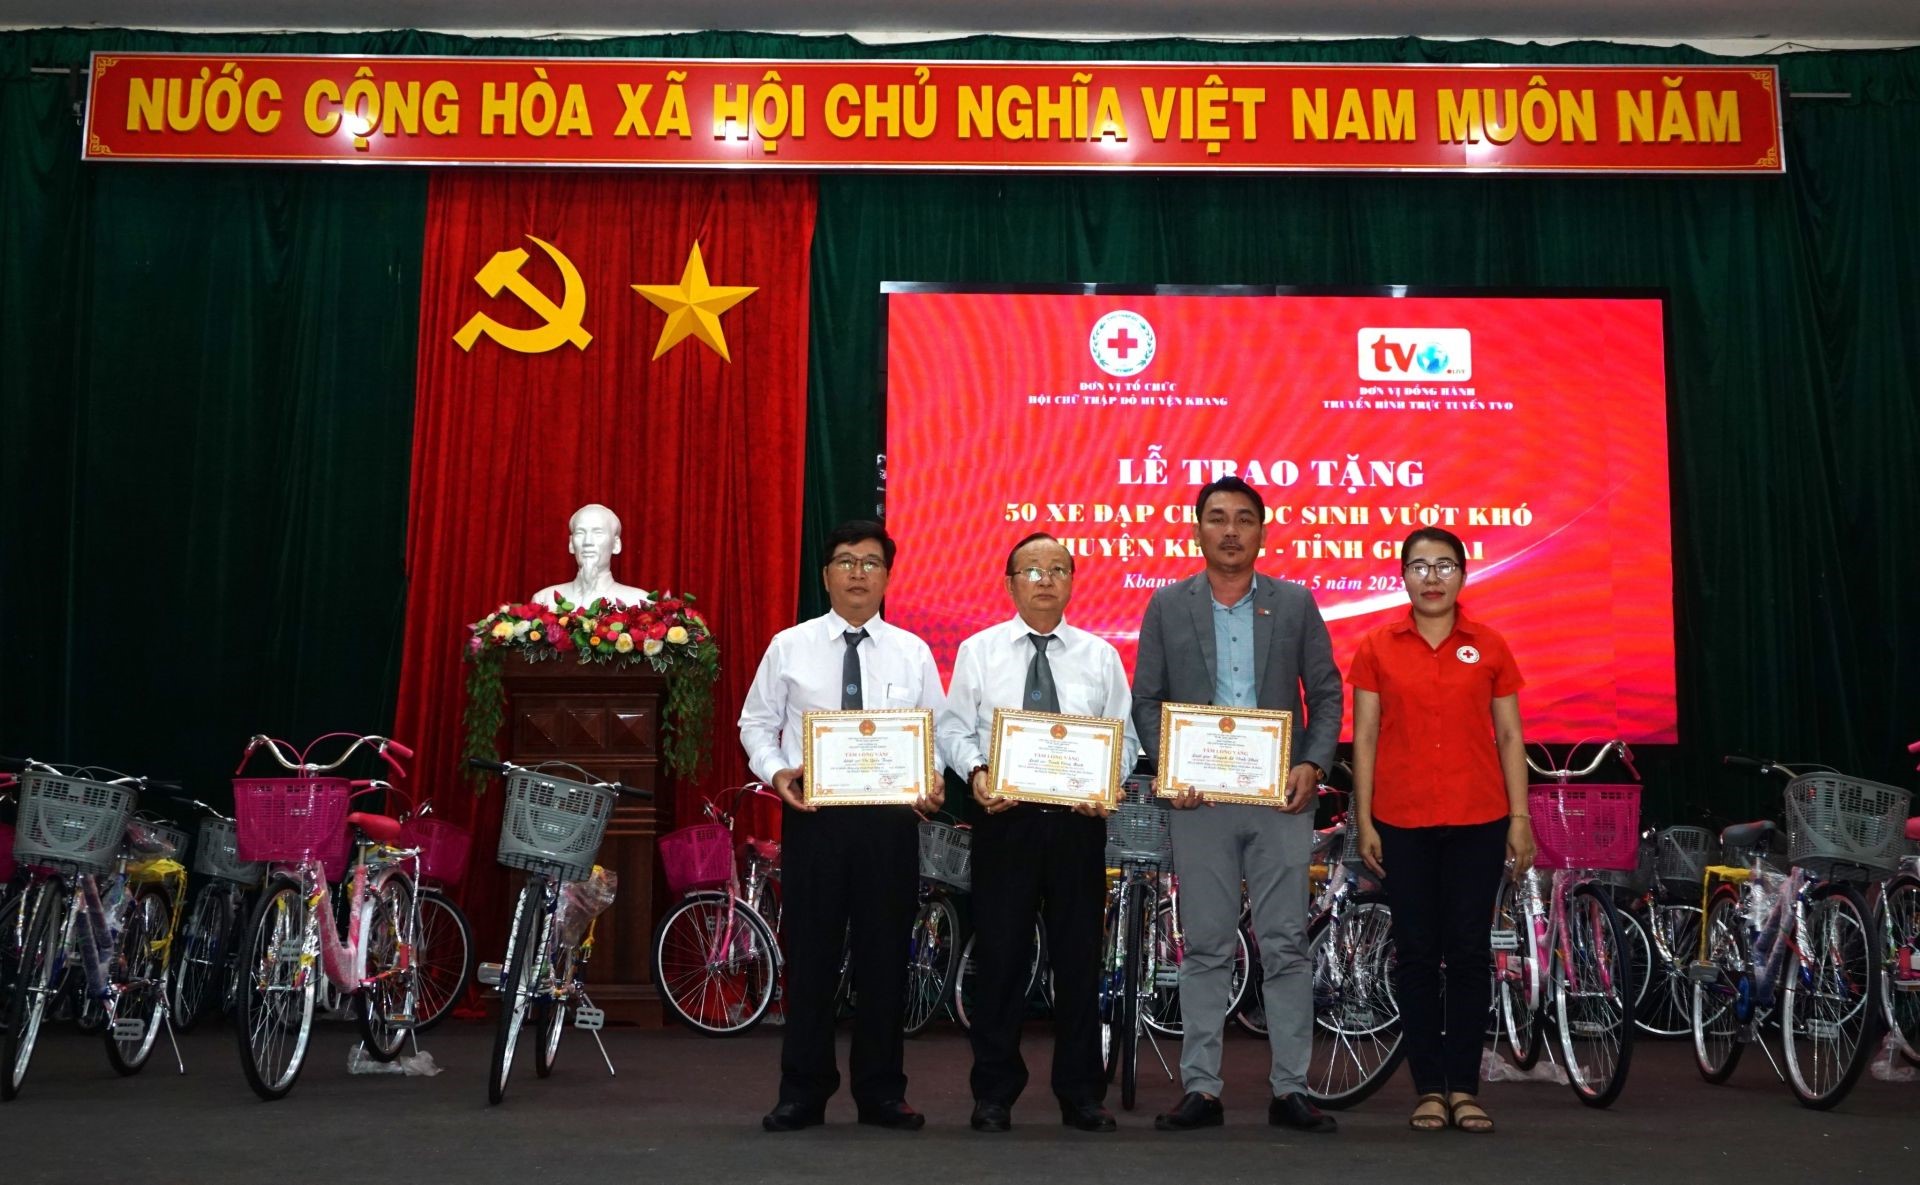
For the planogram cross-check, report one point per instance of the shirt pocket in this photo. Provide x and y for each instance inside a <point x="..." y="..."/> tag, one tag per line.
<point x="901" y="696"/>
<point x="1079" y="697"/>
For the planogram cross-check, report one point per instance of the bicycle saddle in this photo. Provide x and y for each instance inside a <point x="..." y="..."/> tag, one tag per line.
<point x="767" y="849"/>
<point x="378" y="828"/>
<point x="1746" y="835"/>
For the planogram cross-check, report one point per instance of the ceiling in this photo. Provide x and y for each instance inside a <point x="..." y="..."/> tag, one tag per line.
<point x="1772" y="22"/>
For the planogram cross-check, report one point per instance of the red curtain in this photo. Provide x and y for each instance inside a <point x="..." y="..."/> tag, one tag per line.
<point x="702" y="459"/>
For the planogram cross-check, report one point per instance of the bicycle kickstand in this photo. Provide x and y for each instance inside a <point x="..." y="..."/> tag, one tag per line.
<point x="595" y="1030"/>
<point x="166" y="1019"/>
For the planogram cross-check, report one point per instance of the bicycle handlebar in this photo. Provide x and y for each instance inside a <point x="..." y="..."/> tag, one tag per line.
<point x="505" y="768"/>
<point x="1914" y="748"/>
<point x="1610" y="749"/>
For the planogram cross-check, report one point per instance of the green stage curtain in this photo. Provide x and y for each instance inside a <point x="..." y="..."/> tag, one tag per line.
<point x="1796" y="422"/>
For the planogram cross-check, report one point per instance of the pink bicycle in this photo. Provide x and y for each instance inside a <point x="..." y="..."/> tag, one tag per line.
<point x="301" y="824"/>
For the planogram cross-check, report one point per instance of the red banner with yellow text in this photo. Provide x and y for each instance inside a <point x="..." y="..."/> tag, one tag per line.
<point x="933" y="115"/>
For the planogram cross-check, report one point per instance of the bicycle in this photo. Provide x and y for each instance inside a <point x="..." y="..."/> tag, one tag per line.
<point x="76" y="825"/>
<point x="1559" y="947"/>
<point x="1141" y="846"/>
<point x="304" y="826"/>
<point x="1357" y="1036"/>
<point x="1840" y="832"/>
<point x="550" y="828"/>
<point x="209" y="938"/>
<point x="443" y="948"/>
<point x="933" y="953"/>
<point x="716" y="955"/>
<point x="1899" y="917"/>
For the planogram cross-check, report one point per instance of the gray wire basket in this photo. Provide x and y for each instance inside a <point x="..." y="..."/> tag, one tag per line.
<point x="216" y="853"/>
<point x="150" y="839"/>
<point x="552" y="824"/>
<point x="1846" y="829"/>
<point x="71" y="824"/>
<point x="1684" y="853"/>
<point x="1137" y="830"/>
<point x="946" y="854"/>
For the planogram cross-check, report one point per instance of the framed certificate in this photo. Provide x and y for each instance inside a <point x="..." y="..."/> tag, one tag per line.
<point x="1057" y="760"/>
<point x="878" y="758"/>
<point x="1228" y="754"/>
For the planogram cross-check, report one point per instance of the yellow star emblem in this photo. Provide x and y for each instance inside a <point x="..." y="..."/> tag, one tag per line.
<point x="693" y="307"/>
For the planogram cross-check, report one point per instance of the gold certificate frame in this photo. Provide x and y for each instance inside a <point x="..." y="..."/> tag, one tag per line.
<point x="1056" y="760"/>
<point x="878" y="758"/>
<point x="1227" y="754"/>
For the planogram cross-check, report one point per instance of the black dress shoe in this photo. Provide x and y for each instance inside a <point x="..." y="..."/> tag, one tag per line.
<point x="1298" y="1112"/>
<point x="791" y="1117"/>
<point x="991" y="1117"/>
<point x="895" y="1115"/>
<point x="1087" y="1117"/>
<point x="1195" y="1110"/>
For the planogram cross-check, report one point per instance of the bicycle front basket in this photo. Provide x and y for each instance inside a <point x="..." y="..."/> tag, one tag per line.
<point x="552" y="824"/>
<point x="70" y="823"/>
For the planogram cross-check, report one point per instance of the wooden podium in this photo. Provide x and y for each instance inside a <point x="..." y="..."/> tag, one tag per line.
<point x="606" y="720"/>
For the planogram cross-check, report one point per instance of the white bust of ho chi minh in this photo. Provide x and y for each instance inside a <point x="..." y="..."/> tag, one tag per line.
<point x="593" y="539"/>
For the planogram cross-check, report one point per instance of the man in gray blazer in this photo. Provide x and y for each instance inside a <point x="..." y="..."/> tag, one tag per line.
<point x="1230" y="637"/>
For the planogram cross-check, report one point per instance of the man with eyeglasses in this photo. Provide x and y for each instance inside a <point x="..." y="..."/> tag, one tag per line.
<point x="1230" y="637"/>
<point x="1030" y="858"/>
<point x="850" y="872"/>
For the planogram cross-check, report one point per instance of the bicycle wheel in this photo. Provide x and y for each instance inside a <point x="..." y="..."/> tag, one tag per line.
<point x="276" y="992"/>
<point x="1039" y="986"/>
<point x="716" y="963"/>
<point x="385" y="1005"/>
<point x="200" y="971"/>
<point x="138" y="981"/>
<point x="42" y="909"/>
<point x="933" y="959"/>
<point x="1638" y="945"/>
<point x="1828" y="1015"/>
<point x="1161" y="1010"/>
<point x="1519" y="979"/>
<point x="1356" y="1020"/>
<point x="1251" y="1015"/>
<point x="519" y="973"/>
<point x="1129" y="1022"/>
<point x="1900" y="968"/>
<point x="443" y="954"/>
<point x="1593" y="998"/>
<point x="550" y="1010"/>
<point x="1667" y="1004"/>
<point x="1720" y="1004"/>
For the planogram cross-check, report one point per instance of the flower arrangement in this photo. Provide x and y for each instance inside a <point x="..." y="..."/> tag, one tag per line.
<point x="666" y="634"/>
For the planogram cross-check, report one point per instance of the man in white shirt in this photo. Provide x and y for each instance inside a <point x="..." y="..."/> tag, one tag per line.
<point x="1030" y="858"/>
<point x="847" y="865"/>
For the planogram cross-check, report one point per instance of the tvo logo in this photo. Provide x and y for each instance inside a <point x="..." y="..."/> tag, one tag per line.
<point x="1417" y="355"/>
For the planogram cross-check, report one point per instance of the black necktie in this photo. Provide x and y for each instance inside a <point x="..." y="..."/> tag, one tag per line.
<point x="1041" y="694"/>
<point x="851" y="698"/>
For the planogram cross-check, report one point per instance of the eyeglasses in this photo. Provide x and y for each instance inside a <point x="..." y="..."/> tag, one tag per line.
<point x="1444" y="569"/>
<point x="1057" y="572"/>
<point x="848" y="565"/>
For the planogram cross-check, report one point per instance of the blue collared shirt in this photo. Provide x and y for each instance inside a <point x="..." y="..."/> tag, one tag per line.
<point x="1234" y="684"/>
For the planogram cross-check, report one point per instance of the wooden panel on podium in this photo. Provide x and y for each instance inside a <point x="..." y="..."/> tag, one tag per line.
<point x="605" y="720"/>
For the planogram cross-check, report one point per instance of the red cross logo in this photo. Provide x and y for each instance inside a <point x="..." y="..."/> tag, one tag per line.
<point x="1122" y="343"/>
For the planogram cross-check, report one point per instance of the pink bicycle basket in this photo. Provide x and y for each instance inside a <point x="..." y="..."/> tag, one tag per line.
<point x="697" y="857"/>
<point x="1582" y="825"/>
<point x="443" y="847"/>
<point x="286" y="820"/>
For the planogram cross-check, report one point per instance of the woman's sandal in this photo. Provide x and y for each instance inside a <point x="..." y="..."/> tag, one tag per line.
<point x="1436" y="1119"/>
<point x="1469" y="1116"/>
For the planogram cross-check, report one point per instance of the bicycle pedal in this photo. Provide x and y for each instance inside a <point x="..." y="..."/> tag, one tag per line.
<point x="1506" y="940"/>
<point x="488" y="974"/>
<point x="589" y="1018"/>
<point x="129" y="1028"/>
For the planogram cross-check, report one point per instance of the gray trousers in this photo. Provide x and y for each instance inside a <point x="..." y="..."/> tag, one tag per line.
<point x="1215" y="848"/>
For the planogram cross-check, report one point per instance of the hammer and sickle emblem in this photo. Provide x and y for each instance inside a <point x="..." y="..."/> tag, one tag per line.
<point x="562" y="320"/>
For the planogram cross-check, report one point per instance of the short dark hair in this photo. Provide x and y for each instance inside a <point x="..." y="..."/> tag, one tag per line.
<point x="854" y="531"/>
<point x="1435" y="535"/>
<point x="1229" y="485"/>
<point x="1036" y="537"/>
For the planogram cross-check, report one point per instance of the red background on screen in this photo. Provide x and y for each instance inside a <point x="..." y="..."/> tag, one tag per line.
<point x="1583" y="592"/>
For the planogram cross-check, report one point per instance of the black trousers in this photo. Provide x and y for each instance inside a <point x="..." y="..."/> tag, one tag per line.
<point x="841" y="865"/>
<point x="1051" y="862"/>
<point x="1441" y="883"/>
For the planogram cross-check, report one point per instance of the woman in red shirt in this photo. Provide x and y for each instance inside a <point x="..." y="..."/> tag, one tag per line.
<point x="1439" y="803"/>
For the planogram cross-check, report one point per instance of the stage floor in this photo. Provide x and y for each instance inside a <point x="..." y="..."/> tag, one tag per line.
<point x="686" y="1108"/>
